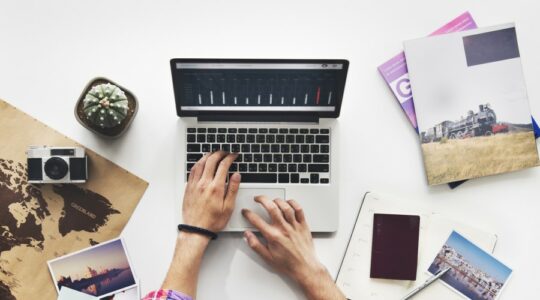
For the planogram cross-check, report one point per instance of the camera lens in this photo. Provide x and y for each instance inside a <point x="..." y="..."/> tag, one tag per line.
<point x="56" y="168"/>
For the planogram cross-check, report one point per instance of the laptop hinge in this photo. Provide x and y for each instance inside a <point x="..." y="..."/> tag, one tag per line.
<point x="259" y="118"/>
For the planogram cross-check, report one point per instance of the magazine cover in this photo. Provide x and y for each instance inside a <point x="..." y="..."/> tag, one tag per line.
<point x="396" y="74"/>
<point x="471" y="104"/>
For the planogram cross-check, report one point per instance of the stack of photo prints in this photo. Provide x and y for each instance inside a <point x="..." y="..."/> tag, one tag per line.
<point x="470" y="108"/>
<point x="102" y="272"/>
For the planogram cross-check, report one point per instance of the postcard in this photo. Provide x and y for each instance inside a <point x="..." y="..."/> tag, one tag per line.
<point x="99" y="271"/>
<point x="474" y="273"/>
<point x="471" y="104"/>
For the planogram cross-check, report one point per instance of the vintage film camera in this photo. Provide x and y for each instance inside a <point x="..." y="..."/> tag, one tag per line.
<point x="57" y="165"/>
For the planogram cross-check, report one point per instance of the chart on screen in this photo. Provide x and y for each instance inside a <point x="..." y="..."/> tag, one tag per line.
<point x="241" y="85"/>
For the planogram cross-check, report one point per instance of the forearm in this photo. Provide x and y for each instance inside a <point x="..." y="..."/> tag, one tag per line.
<point x="184" y="270"/>
<point x="320" y="286"/>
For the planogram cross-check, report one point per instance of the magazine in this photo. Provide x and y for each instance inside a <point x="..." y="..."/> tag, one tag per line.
<point x="471" y="104"/>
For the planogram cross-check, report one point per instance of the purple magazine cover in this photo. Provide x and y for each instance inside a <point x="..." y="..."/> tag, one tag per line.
<point x="396" y="74"/>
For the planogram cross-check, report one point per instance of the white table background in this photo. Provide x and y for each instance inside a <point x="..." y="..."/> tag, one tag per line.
<point x="49" y="50"/>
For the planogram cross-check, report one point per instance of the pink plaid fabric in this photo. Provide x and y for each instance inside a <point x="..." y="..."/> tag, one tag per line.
<point x="166" y="295"/>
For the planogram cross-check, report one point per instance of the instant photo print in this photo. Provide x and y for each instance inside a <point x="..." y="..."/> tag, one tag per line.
<point x="99" y="271"/>
<point x="474" y="273"/>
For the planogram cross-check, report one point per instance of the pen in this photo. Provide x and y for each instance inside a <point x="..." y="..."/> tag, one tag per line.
<point x="426" y="284"/>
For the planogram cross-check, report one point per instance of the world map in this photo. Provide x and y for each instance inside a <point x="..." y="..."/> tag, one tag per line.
<point x="23" y="209"/>
<point x="43" y="222"/>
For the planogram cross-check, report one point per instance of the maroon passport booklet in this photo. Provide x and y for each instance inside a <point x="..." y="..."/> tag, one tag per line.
<point x="394" y="250"/>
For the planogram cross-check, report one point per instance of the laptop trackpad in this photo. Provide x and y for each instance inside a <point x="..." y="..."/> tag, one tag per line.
<point x="245" y="199"/>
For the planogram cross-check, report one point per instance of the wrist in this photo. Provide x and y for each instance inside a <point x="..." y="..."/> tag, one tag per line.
<point x="311" y="277"/>
<point x="193" y="239"/>
<point x="199" y="230"/>
<point x="320" y="285"/>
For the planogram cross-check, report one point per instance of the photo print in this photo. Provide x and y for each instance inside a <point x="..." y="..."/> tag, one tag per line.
<point x="101" y="270"/>
<point x="474" y="273"/>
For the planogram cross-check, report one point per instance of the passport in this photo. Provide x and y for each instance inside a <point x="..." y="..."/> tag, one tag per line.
<point x="394" y="251"/>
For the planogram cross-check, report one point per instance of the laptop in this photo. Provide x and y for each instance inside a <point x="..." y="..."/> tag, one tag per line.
<point x="280" y="115"/>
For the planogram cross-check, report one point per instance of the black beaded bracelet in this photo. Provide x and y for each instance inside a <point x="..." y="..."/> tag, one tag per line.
<point x="193" y="229"/>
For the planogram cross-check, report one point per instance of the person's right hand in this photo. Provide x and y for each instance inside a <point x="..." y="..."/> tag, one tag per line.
<point x="289" y="248"/>
<point x="208" y="200"/>
<point x="208" y="203"/>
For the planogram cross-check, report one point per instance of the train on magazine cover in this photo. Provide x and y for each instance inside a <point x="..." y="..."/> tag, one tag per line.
<point x="482" y="123"/>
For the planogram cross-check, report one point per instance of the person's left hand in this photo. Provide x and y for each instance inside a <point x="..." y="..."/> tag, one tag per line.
<point x="289" y="246"/>
<point x="208" y="200"/>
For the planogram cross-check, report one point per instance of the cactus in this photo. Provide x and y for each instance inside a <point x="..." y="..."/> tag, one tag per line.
<point x="105" y="105"/>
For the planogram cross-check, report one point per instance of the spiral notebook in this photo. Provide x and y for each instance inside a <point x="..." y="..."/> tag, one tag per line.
<point x="353" y="278"/>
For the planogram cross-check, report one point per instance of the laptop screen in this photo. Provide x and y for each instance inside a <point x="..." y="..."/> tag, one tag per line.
<point x="246" y="86"/>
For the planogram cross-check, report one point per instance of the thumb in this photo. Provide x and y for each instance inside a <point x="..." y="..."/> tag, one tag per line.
<point x="255" y="244"/>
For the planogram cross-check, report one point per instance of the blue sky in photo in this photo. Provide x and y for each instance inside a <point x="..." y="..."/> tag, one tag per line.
<point x="478" y="257"/>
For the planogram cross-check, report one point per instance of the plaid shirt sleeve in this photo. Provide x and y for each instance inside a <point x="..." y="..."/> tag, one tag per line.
<point x="166" y="295"/>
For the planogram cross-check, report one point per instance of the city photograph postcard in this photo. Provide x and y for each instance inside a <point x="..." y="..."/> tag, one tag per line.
<point x="474" y="273"/>
<point x="101" y="270"/>
<point x="471" y="104"/>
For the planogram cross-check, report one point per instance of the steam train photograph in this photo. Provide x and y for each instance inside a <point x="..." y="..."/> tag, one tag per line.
<point x="482" y="123"/>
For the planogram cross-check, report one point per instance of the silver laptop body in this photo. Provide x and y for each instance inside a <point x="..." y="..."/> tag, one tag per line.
<point x="280" y="115"/>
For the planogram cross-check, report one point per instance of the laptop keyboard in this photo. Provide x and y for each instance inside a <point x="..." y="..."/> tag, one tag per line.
<point x="267" y="155"/>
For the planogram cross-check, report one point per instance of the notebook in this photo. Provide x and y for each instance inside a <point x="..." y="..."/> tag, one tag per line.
<point x="471" y="104"/>
<point x="354" y="273"/>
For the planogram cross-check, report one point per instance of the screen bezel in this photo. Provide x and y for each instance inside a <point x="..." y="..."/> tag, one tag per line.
<point x="321" y="114"/>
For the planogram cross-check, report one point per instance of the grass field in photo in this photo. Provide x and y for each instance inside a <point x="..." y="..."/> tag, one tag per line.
<point x="458" y="159"/>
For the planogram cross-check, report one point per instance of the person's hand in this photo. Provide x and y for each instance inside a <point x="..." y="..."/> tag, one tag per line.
<point x="289" y="248"/>
<point x="208" y="203"/>
<point x="208" y="200"/>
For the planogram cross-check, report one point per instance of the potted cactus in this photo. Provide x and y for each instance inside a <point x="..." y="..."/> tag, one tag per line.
<point x="106" y="108"/>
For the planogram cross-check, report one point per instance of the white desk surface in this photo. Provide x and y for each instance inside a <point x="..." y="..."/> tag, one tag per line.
<point x="51" y="49"/>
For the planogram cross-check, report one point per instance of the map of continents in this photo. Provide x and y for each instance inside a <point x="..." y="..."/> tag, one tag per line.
<point x="24" y="209"/>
